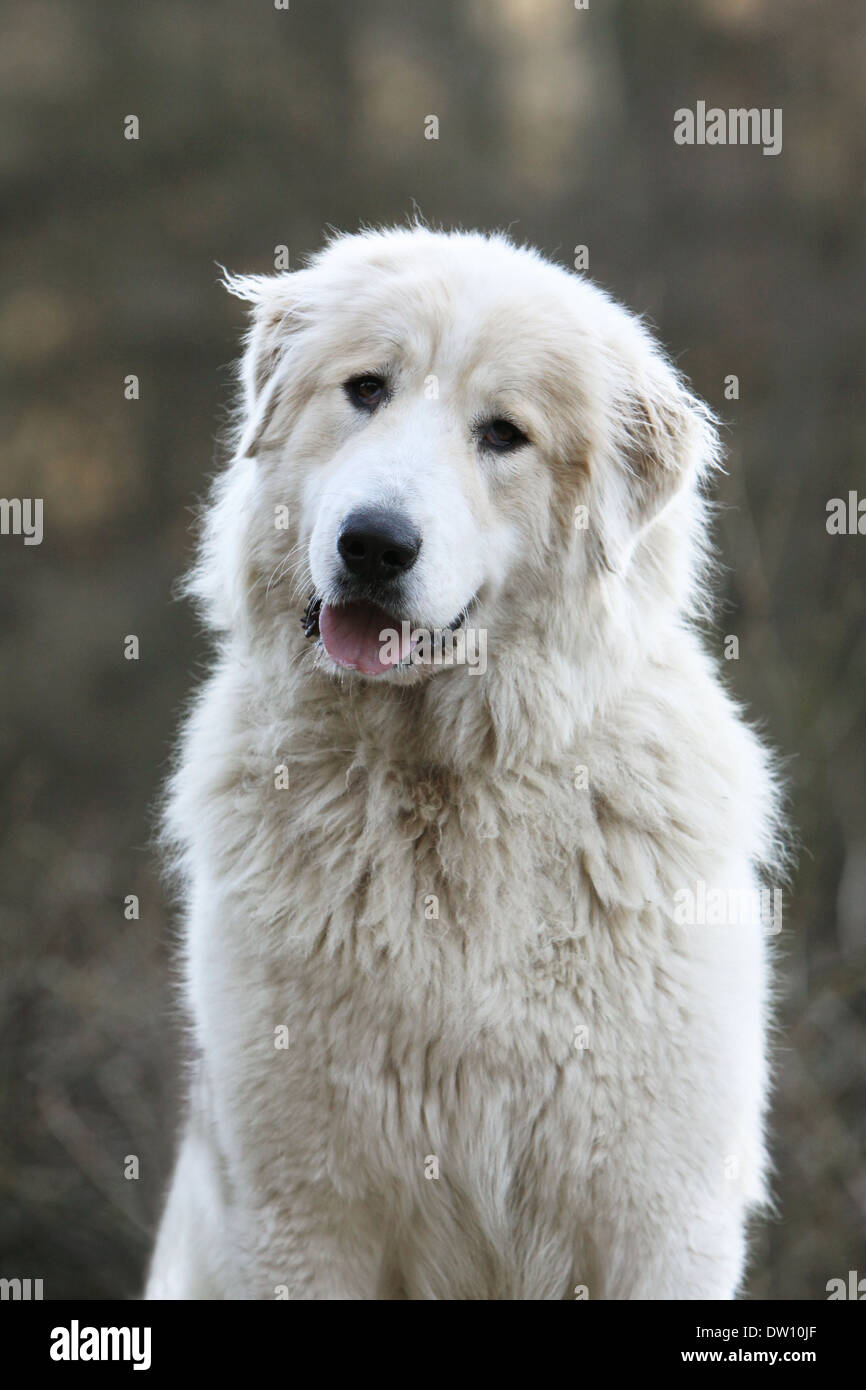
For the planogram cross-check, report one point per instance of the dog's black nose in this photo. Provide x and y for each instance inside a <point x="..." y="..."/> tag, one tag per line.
<point x="378" y="544"/>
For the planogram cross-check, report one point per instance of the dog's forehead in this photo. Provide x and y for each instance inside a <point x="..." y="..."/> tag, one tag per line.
<point x="469" y="310"/>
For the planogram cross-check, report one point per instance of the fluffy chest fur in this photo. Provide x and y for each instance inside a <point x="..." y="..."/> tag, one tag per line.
<point x="409" y="970"/>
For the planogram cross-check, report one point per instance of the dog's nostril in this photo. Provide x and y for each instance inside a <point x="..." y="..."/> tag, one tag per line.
<point x="397" y="559"/>
<point x="378" y="544"/>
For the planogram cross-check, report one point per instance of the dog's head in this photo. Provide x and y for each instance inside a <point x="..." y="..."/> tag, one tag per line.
<point x="445" y="430"/>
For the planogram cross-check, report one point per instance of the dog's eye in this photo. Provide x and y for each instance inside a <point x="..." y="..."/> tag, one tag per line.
<point x="365" y="391"/>
<point x="502" y="435"/>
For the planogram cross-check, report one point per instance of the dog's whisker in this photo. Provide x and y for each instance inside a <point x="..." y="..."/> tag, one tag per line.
<point x="283" y="565"/>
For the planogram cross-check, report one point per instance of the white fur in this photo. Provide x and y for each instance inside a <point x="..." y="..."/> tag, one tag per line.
<point x="625" y="1160"/>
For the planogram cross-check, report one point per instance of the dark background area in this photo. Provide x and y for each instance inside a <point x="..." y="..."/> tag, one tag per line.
<point x="258" y="128"/>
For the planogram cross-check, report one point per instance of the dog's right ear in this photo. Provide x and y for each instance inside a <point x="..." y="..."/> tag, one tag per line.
<point x="273" y="300"/>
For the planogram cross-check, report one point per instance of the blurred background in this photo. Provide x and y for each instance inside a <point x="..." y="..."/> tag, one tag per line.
<point x="259" y="128"/>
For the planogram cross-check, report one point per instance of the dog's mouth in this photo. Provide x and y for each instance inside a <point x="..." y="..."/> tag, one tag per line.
<point x="362" y="636"/>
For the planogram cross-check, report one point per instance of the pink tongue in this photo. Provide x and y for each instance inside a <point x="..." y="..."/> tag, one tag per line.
<point x="350" y="635"/>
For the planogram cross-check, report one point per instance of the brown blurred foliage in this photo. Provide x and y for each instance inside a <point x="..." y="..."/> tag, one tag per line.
<point x="259" y="128"/>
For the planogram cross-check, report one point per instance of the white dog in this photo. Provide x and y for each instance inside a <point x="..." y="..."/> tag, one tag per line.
<point x="459" y="1033"/>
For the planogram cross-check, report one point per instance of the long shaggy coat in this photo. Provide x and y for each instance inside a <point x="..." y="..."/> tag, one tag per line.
<point x="456" y="1035"/>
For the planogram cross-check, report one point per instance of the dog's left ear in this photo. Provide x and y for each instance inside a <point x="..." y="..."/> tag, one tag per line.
<point x="273" y="299"/>
<point x="665" y="441"/>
